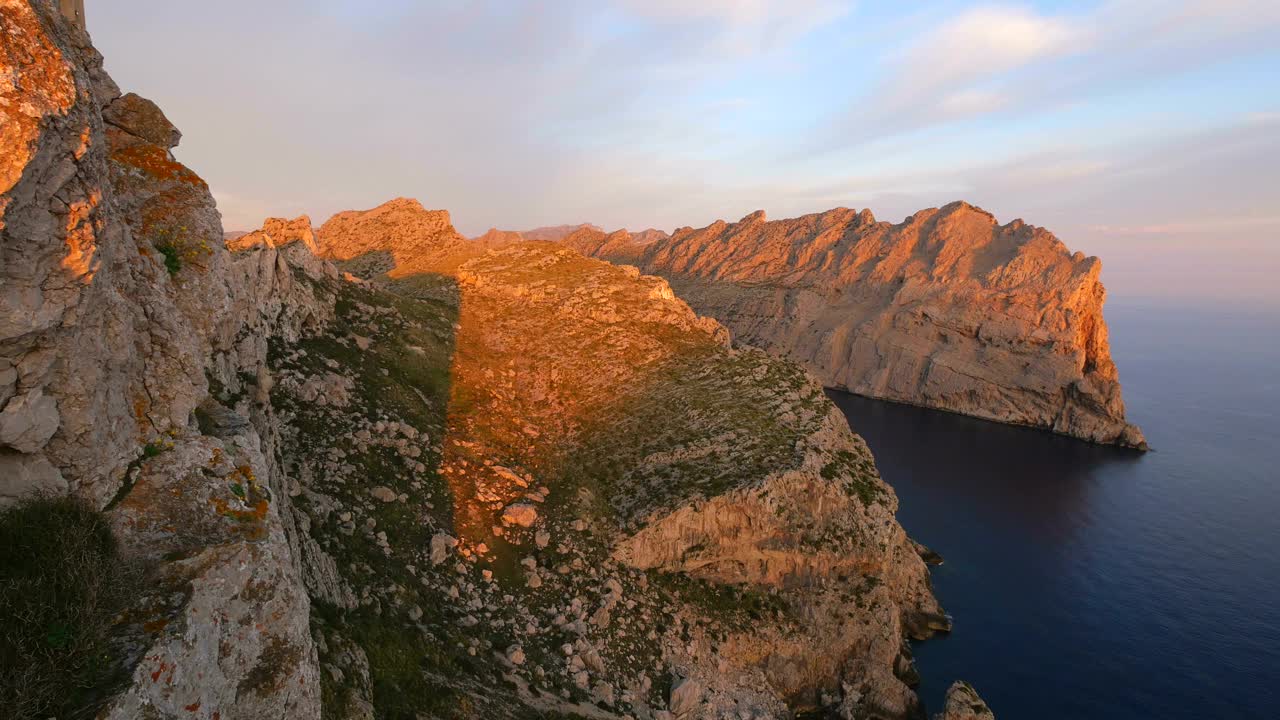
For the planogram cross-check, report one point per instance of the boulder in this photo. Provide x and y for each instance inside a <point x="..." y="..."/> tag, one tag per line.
<point x="963" y="703"/>
<point x="686" y="696"/>
<point x="520" y="514"/>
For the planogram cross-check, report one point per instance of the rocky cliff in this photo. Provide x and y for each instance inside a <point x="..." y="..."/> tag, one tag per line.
<point x="119" y="307"/>
<point x="948" y="309"/>
<point x="413" y="477"/>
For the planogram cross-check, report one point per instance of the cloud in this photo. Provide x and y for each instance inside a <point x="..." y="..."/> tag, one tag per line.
<point x="1201" y="226"/>
<point x="1008" y="60"/>
<point x="977" y="44"/>
<point x="954" y="71"/>
<point x="742" y="26"/>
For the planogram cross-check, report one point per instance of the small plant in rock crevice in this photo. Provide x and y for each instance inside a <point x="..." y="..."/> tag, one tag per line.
<point x="180" y="249"/>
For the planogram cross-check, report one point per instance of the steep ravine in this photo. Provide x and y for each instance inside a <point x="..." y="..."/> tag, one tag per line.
<point x="414" y="479"/>
<point x="947" y="309"/>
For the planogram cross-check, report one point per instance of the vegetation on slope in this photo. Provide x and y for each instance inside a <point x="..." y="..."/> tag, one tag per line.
<point x="471" y="448"/>
<point x="61" y="584"/>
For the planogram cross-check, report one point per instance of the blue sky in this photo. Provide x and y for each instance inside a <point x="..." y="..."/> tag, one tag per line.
<point x="1144" y="131"/>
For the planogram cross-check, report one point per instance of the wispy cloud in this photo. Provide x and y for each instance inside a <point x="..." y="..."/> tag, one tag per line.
<point x="742" y="26"/>
<point x="1200" y="226"/>
<point x="1007" y="59"/>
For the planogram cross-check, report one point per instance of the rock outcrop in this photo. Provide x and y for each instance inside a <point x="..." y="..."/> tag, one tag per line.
<point x="962" y="703"/>
<point x="275" y="232"/>
<point x="398" y="235"/>
<point x="948" y="309"/>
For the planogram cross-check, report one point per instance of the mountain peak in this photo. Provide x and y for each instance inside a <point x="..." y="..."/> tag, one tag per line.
<point x="401" y="228"/>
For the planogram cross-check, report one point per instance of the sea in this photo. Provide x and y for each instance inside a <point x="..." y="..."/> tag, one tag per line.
<point x="1090" y="582"/>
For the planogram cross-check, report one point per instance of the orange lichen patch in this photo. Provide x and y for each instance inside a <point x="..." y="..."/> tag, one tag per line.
<point x="192" y="707"/>
<point x="80" y="239"/>
<point x="86" y="136"/>
<point x="163" y="208"/>
<point x="154" y="161"/>
<point x="140" y="413"/>
<point x="255" y="514"/>
<point x="35" y="82"/>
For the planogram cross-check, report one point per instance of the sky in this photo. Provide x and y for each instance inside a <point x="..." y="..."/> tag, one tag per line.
<point x="1143" y="131"/>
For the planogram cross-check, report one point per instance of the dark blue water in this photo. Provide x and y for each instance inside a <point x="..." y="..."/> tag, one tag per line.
<point x="1090" y="582"/>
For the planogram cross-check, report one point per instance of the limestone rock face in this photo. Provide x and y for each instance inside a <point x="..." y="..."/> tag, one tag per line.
<point x="94" y="340"/>
<point x="220" y="625"/>
<point x="948" y="309"/>
<point x="119" y="305"/>
<point x="143" y="119"/>
<point x="619" y="246"/>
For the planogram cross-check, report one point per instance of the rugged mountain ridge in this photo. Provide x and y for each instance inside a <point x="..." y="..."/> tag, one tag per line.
<point x="427" y="481"/>
<point x="947" y="309"/>
<point x="588" y="399"/>
<point x="495" y="237"/>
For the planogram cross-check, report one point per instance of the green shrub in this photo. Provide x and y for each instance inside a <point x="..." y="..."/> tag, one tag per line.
<point x="61" y="584"/>
<point x="181" y="249"/>
<point x="172" y="257"/>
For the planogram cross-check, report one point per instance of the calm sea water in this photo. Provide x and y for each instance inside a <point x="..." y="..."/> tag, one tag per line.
<point x="1090" y="582"/>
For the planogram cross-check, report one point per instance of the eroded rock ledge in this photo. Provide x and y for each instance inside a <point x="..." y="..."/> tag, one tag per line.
<point x="948" y="309"/>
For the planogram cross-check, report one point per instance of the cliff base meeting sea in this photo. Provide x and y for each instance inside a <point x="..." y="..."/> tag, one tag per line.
<point x="1096" y="582"/>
